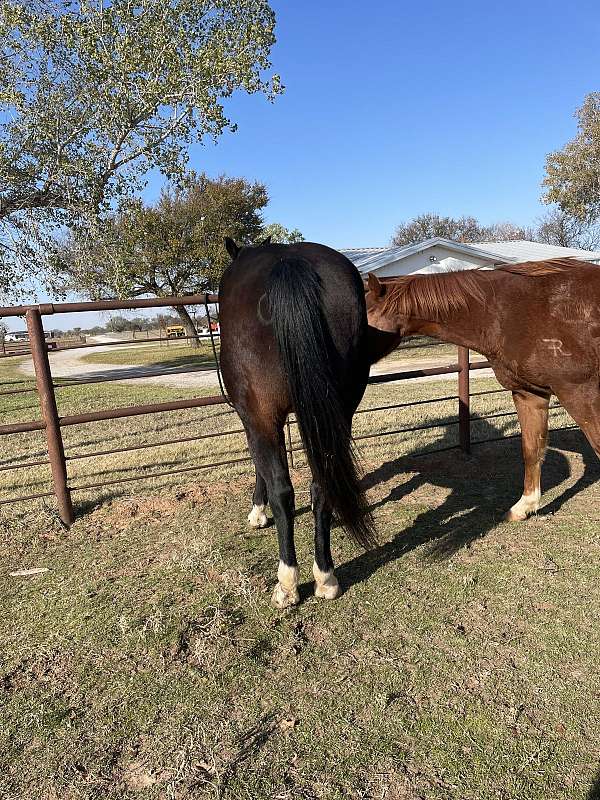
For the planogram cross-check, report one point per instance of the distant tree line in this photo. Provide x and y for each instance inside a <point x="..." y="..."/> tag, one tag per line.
<point x="557" y="227"/>
<point x="121" y="324"/>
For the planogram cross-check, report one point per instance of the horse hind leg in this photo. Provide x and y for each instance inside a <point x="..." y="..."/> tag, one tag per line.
<point x="268" y="453"/>
<point x="326" y="584"/>
<point x="257" y="517"/>
<point x="582" y="402"/>
<point x="532" y="411"/>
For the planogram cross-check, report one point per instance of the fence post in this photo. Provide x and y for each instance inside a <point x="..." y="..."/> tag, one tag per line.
<point x="43" y="377"/>
<point x="464" y="400"/>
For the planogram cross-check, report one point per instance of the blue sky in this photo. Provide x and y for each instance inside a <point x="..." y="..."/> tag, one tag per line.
<point x="393" y="109"/>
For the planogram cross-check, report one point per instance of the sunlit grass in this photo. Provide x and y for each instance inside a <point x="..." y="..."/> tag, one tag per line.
<point x="147" y="661"/>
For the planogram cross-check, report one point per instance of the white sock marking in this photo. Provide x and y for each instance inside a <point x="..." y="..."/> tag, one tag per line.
<point x="528" y="504"/>
<point x="286" y="592"/>
<point x="257" y="517"/>
<point x="326" y="584"/>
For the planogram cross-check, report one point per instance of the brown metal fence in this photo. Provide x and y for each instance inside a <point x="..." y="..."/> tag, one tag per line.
<point x="52" y="423"/>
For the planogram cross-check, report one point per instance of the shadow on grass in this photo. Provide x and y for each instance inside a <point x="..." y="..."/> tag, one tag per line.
<point x="160" y="368"/>
<point x="482" y="487"/>
<point x="594" y="793"/>
<point x="191" y="360"/>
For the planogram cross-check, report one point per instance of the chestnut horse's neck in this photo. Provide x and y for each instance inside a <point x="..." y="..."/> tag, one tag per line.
<point x="457" y="307"/>
<point x="464" y="328"/>
<point x="454" y="307"/>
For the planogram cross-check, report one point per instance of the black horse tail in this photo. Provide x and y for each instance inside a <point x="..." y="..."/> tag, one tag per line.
<point x="312" y="365"/>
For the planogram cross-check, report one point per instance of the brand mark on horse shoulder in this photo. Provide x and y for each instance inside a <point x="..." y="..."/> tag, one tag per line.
<point x="556" y="346"/>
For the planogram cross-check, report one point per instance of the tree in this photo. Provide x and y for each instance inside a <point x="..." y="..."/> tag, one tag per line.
<point x="459" y="229"/>
<point x="507" y="232"/>
<point x="281" y="235"/>
<point x="564" y="230"/>
<point x="117" y="324"/>
<point x="573" y="173"/>
<point x="173" y="247"/>
<point x="163" y="320"/>
<point x="95" y="94"/>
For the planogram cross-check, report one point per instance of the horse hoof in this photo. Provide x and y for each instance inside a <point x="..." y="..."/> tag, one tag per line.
<point x="326" y="584"/>
<point x="257" y="517"/>
<point x="327" y="592"/>
<point x="524" y="508"/>
<point x="514" y="516"/>
<point x="284" y="598"/>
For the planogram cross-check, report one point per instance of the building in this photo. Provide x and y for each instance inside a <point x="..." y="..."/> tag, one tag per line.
<point x="444" y="255"/>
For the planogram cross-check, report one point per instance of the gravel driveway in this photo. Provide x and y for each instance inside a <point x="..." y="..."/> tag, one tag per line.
<point x="70" y="364"/>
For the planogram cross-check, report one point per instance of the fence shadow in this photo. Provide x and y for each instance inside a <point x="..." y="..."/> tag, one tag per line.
<point x="573" y="441"/>
<point x="480" y="489"/>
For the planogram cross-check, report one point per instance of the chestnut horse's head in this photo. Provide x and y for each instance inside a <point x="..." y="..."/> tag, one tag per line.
<point x="375" y="295"/>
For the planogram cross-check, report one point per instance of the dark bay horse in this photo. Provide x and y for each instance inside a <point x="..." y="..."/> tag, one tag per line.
<point x="294" y="338"/>
<point x="538" y="323"/>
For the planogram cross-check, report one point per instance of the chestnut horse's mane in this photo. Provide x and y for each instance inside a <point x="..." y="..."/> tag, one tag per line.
<point x="438" y="295"/>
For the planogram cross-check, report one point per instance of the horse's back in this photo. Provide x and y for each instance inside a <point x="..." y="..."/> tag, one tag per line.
<point x="549" y="325"/>
<point x="249" y="355"/>
<point x="245" y="281"/>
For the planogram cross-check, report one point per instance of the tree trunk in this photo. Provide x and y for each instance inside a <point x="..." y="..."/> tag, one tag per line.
<point x="188" y="324"/>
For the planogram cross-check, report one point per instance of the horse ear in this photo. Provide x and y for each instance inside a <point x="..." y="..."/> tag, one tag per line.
<point x="375" y="285"/>
<point x="231" y="248"/>
<point x="266" y="241"/>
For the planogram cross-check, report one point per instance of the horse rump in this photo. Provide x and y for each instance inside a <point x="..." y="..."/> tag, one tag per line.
<point x="313" y="368"/>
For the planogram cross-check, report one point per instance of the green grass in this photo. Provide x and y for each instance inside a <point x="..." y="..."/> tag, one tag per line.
<point x="171" y="354"/>
<point x="461" y="661"/>
<point x="176" y="354"/>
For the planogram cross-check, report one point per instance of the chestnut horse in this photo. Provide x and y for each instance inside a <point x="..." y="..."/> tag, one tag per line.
<point x="294" y="338"/>
<point x="538" y="324"/>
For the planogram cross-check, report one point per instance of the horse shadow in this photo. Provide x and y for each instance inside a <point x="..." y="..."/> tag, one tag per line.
<point x="478" y="489"/>
<point x="594" y="793"/>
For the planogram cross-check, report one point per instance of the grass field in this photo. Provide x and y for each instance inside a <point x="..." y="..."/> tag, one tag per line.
<point x="460" y="662"/>
<point x="182" y="355"/>
<point x="174" y="354"/>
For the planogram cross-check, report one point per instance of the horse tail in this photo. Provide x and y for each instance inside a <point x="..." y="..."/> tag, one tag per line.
<point x="312" y="366"/>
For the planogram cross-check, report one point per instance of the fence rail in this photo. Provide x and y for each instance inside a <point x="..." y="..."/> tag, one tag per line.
<point x="52" y="423"/>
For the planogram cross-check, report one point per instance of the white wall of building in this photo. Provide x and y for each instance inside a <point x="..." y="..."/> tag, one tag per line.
<point x="444" y="260"/>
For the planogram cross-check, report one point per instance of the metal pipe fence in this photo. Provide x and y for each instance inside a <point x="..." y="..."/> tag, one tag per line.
<point x="52" y="422"/>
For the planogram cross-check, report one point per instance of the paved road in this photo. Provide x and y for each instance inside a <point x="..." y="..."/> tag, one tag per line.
<point x="69" y="364"/>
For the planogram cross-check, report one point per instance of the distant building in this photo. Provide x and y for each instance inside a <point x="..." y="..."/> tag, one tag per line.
<point x="444" y="255"/>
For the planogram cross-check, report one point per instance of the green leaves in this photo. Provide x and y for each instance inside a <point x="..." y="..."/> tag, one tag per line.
<point x="95" y="95"/>
<point x="459" y="229"/>
<point x="573" y="173"/>
<point x="173" y="247"/>
<point x="279" y="234"/>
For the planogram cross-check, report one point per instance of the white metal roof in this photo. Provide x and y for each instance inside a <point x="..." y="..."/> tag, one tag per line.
<point x="522" y="250"/>
<point x="372" y="258"/>
<point x="357" y="253"/>
<point x="381" y="257"/>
